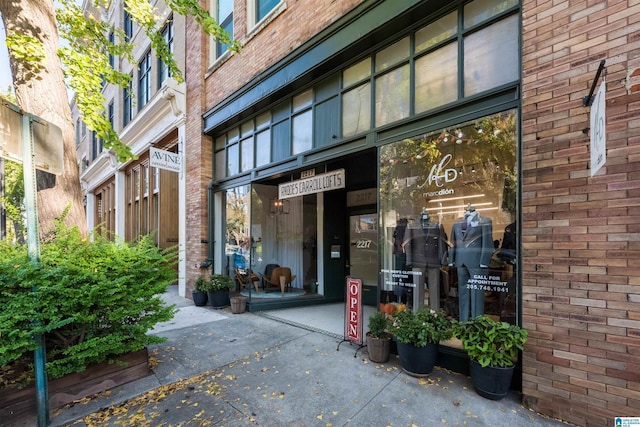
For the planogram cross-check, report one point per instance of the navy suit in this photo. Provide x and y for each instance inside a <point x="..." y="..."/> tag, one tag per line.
<point x="471" y="253"/>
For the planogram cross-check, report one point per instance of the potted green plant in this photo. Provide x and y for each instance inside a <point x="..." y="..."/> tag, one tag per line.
<point x="493" y="348"/>
<point x="199" y="293"/>
<point x="218" y="291"/>
<point x="378" y="339"/>
<point x="418" y="335"/>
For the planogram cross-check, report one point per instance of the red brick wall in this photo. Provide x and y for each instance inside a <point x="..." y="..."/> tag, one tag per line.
<point x="298" y="23"/>
<point x="581" y="235"/>
<point x="295" y="25"/>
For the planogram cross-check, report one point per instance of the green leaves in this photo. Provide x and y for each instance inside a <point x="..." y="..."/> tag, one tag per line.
<point x="94" y="299"/>
<point x="86" y="64"/>
<point x="491" y="343"/>
<point x="28" y="51"/>
<point x="421" y="327"/>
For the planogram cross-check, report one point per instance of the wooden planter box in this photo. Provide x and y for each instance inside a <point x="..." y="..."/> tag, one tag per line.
<point x="95" y="379"/>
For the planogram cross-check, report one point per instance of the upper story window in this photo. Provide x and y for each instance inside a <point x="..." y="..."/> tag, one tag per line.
<point x="224" y="15"/>
<point x="263" y="7"/>
<point x="112" y="39"/>
<point x="111" y="115"/>
<point x="78" y="132"/>
<point x="127" y="25"/>
<point x="127" y="103"/>
<point x="144" y="80"/>
<point x="163" y="70"/>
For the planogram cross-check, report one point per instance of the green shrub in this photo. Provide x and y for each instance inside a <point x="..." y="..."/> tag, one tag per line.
<point x="220" y="282"/>
<point x="93" y="299"/>
<point x="378" y="324"/>
<point x="490" y="342"/>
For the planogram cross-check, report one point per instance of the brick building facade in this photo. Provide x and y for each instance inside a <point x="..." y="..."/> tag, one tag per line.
<point x="579" y="246"/>
<point x="580" y="234"/>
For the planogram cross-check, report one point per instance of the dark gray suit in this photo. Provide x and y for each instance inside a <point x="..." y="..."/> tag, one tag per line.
<point x="426" y="251"/>
<point x="471" y="253"/>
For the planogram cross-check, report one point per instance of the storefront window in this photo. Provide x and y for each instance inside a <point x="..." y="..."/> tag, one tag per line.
<point x="238" y="240"/>
<point x="448" y="215"/>
<point x="283" y="234"/>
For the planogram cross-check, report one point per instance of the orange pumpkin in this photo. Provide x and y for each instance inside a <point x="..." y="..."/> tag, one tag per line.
<point x="401" y="307"/>
<point x="389" y="308"/>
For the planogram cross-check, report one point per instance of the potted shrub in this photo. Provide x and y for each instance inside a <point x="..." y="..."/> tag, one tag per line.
<point x="218" y="290"/>
<point x="199" y="293"/>
<point x="418" y="335"/>
<point x="378" y="339"/>
<point x="493" y="348"/>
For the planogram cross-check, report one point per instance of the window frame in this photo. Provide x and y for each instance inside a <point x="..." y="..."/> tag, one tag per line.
<point x="144" y="80"/>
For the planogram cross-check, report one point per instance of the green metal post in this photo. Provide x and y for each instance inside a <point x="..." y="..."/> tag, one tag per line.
<point x="33" y="248"/>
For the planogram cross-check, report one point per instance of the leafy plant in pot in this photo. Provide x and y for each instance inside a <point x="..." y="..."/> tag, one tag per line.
<point x="418" y="335"/>
<point x="218" y="291"/>
<point x="378" y="339"/>
<point x="199" y="293"/>
<point x="493" y="348"/>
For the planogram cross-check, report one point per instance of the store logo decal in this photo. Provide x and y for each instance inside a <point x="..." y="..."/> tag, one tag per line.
<point x="440" y="174"/>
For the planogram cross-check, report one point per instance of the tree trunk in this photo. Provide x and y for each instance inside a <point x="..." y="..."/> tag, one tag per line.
<point x="46" y="97"/>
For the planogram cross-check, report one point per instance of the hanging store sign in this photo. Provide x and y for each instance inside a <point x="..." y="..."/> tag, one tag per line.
<point x="164" y="160"/>
<point x="598" y="130"/>
<point x="324" y="182"/>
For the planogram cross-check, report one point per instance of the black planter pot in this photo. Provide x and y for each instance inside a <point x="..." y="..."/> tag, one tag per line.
<point x="199" y="298"/>
<point x="491" y="382"/>
<point x="219" y="299"/>
<point x="418" y="361"/>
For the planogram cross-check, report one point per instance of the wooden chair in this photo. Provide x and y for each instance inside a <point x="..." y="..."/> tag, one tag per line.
<point x="268" y="270"/>
<point x="285" y="273"/>
<point x="245" y="278"/>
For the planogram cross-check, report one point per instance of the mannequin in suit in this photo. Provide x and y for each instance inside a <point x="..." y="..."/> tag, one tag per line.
<point x="472" y="238"/>
<point x="426" y="249"/>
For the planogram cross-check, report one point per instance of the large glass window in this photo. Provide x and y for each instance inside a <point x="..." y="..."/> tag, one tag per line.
<point x="491" y="56"/>
<point x="263" y="7"/>
<point x="225" y="18"/>
<point x="163" y="70"/>
<point x="127" y="102"/>
<point x="144" y="80"/>
<point x="127" y="25"/>
<point x="448" y="212"/>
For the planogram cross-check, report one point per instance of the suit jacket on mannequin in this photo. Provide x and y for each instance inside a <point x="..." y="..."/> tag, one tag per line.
<point x="426" y="247"/>
<point x="473" y="247"/>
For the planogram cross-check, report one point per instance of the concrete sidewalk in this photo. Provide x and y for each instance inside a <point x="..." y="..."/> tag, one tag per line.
<point x="223" y="369"/>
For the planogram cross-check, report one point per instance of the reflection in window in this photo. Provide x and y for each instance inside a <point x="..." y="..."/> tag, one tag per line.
<point x="392" y="96"/>
<point x="431" y="180"/>
<point x="392" y="55"/>
<point x="491" y="56"/>
<point x="302" y="132"/>
<point x="357" y="72"/>
<point x="246" y="155"/>
<point x="263" y="148"/>
<point x="356" y="110"/>
<point x="437" y="78"/>
<point x="237" y="233"/>
<point x="233" y="163"/>
<point x="437" y="32"/>
<point x="481" y="10"/>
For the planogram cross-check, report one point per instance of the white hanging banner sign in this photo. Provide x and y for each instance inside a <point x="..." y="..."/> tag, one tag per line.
<point x="164" y="160"/>
<point x="327" y="181"/>
<point x="598" y="132"/>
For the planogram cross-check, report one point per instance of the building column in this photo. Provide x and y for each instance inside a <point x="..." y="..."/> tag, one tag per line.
<point x="182" y="209"/>
<point x="121" y="207"/>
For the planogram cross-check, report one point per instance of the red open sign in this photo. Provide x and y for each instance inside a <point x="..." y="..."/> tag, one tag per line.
<point x="353" y="311"/>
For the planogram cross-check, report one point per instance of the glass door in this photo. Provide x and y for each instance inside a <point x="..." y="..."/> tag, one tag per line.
<point x="363" y="254"/>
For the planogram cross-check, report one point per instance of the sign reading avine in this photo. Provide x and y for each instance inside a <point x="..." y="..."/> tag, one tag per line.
<point x="164" y="160"/>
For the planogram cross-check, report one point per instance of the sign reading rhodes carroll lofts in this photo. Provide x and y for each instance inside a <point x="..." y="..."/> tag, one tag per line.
<point x="164" y="159"/>
<point x="316" y="184"/>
